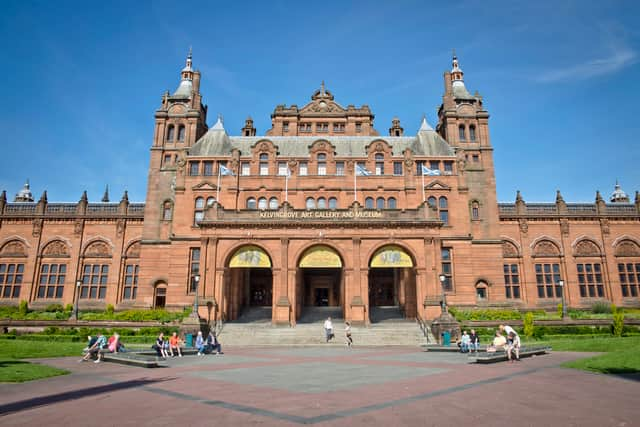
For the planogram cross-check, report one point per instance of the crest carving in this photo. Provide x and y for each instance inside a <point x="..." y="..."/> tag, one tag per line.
<point x="14" y="249"/>
<point x="627" y="248"/>
<point x="524" y="226"/>
<point x="564" y="226"/>
<point x="37" y="227"/>
<point x="604" y="225"/>
<point x="509" y="250"/>
<point x="56" y="248"/>
<point x="98" y="250"/>
<point x="546" y="248"/>
<point x="134" y="251"/>
<point x="586" y="248"/>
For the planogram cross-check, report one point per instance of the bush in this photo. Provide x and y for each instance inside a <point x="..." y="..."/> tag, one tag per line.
<point x="52" y="308"/>
<point x="618" y="323"/>
<point x="528" y="327"/>
<point x="109" y="310"/>
<point x="69" y="308"/>
<point x="23" y="308"/>
<point x="487" y="314"/>
<point x="601" y="307"/>
<point x="559" y="310"/>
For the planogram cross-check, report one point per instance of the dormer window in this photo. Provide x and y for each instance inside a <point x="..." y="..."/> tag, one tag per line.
<point x="322" y="164"/>
<point x="304" y="127"/>
<point x="285" y="126"/>
<point x="358" y="127"/>
<point x="322" y="127"/>
<point x="338" y="127"/>
<point x="264" y="164"/>
<point x="379" y="164"/>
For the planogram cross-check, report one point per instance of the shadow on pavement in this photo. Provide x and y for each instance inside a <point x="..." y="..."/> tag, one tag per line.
<point x="74" y="394"/>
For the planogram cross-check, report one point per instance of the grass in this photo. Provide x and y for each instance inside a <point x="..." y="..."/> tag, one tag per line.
<point x="12" y="369"/>
<point x="621" y="355"/>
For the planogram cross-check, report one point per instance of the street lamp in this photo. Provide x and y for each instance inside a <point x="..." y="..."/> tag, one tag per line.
<point x="78" y="285"/>
<point x="443" y="279"/>
<point x="196" y="279"/>
<point x="564" y="307"/>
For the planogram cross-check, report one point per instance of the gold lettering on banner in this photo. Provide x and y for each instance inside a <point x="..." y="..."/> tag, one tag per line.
<point x="320" y="214"/>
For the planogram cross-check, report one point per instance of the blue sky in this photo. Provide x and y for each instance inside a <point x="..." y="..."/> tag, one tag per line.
<point x="81" y="81"/>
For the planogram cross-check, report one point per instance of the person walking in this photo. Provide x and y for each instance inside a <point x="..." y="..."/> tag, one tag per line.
<point x="347" y="333"/>
<point x="328" y="329"/>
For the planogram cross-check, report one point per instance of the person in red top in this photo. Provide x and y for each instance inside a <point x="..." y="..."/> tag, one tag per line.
<point x="174" y="343"/>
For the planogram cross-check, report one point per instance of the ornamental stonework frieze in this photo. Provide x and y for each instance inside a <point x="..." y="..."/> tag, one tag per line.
<point x="546" y="249"/>
<point x="37" y="227"/>
<point x="14" y="249"/>
<point x="524" y="226"/>
<point x="509" y="250"/>
<point x="586" y="248"/>
<point x="98" y="250"/>
<point x="627" y="248"/>
<point x="56" y="248"/>
<point x="604" y="226"/>
<point x="564" y="226"/>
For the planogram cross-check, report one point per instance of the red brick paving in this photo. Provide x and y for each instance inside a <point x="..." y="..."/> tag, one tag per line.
<point x="531" y="393"/>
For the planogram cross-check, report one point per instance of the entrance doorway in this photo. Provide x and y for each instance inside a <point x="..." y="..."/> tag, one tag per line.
<point x="392" y="285"/>
<point x="319" y="285"/>
<point x="248" y="289"/>
<point x="160" y="297"/>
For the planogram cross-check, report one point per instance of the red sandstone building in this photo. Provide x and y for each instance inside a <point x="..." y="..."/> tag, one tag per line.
<point x="320" y="211"/>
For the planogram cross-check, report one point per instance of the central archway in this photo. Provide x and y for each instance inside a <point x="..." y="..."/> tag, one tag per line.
<point x="319" y="284"/>
<point x="392" y="284"/>
<point x="249" y="293"/>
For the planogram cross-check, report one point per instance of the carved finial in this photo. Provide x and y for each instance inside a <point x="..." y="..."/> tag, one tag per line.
<point x="518" y="196"/>
<point x="559" y="197"/>
<point x="637" y="200"/>
<point x="43" y="198"/>
<point x="322" y="91"/>
<point x="598" y="196"/>
<point x="3" y="196"/>
<point x="84" y="197"/>
<point x="105" y="196"/>
<point x="125" y="196"/>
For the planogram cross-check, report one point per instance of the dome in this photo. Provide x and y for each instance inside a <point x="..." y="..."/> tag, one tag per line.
<point x="619" y="196"/>
<point x="25" y="194"/>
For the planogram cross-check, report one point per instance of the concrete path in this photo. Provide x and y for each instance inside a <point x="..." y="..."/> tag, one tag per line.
<point x="324" y="386"/>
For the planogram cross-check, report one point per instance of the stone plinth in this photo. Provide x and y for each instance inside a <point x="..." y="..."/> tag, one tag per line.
<point x="445" y="322"/>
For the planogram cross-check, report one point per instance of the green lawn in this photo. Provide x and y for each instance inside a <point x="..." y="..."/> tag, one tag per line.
<point x="12" y="369"/>
<point x="622" y="355"/>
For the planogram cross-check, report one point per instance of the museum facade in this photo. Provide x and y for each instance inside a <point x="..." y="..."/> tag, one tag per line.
<point x="324" y="211"/>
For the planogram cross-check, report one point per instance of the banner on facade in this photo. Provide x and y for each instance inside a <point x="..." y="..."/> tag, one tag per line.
<point x="391" y="257"/>
<point x="250" y="257"/>
<point x="320" y="257"/>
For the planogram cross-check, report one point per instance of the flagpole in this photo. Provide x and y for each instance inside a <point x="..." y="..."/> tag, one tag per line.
<point x="218" y="187"/>
<point x="422" y="173"/>
<point x="286" y="186"/>
<point x="355" y="188"/>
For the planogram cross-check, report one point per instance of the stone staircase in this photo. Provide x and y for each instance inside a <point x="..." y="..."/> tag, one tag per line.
<point x="387" y="330"/>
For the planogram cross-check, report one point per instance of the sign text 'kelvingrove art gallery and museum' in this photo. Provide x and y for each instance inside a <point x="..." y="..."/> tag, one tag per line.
<point x="321" y="210"/>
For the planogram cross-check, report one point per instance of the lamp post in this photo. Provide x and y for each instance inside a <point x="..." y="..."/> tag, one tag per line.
<point x="196" y="279"/>
<point x="78" y="285"/>
<point x="564" y="307"/>
<point x="443" y="279"/>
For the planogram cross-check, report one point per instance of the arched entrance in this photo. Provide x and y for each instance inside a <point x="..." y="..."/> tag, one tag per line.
<point x="160" y="295"/>
<point x="249" y="290"/>
<point x="319" y="284"/>
<point x="392" y="284"/>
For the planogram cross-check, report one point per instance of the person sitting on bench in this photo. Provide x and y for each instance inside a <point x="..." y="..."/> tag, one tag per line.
<point x="174" y="344"/>
<point x="498" y="343"/>
<point x="213" y="344"/>
<point x="513" y="346"/>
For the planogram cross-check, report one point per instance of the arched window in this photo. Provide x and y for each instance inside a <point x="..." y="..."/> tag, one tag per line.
<point x="432" y="202"/>
<point x="461" y="133"/>
<point x="322" y="164"/>
<point x="311" y="203"/>
<point x="627" y="254"/>
<point x="472" y="133"/>
<point x="198" y="214"/>
<point x="273" y="203"/>
<point x="167" y="211"/>
<point x="211" y="201"/>
<point x="322" y="203"/>
<point x="264" y="164"/>
<point x="251" y="203"/>
<point x="379" y="164"/>
<point x="171" y="133"/>
<point x="475" y="210"/>
<point x="391" y="203"/>
<point x="181" y="133"/>
<point x="368" y="203"/>
<point x="380" y="203"/>
<point x="262" y="203"/>
<point x="443" y="210"/>
<point x="481" y="291"/>
<point x="333" y="203"/>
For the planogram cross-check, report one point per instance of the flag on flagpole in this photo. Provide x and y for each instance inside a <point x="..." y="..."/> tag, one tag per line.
<point x="429" y="172"/>
<point x="222" y="170"/>
<point x="358" y="170"/>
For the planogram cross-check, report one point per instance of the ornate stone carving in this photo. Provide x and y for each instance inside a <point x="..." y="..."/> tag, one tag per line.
<point x="264" y="147"/>
<point x="627" y="248"/>
<point x="56" y="248"/>
<point x="98" y="250"/>
<point x="546" y="248"/>
<point x="524" y="226"/>
<point x="509" y="250"/>
<point x="586" y="248"/>
<point x="604" y="225"/>
<point x="134" y="251"/>
<point x="77" y="227"/>
<point x="37" y="227"/>
<point x="120" y="226"/>
<point x="14" y="249"/>
<point x="564" y="226"/>
<point x="379" y="146"/>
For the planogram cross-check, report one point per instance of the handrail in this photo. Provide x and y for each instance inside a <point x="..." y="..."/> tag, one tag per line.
<point x="423" y="326"/>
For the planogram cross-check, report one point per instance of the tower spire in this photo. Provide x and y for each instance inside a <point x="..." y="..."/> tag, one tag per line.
<point x="456" y="72"/>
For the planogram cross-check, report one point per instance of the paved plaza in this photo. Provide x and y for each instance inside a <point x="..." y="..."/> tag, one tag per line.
<point x="324" y="386"/>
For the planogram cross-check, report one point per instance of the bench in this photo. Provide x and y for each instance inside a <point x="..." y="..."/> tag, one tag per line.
<point x="134" y="359"/>
<point x="501" y="356"/>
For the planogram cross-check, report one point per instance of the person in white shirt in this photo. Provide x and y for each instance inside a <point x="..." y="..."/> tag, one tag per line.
<point x="513" y="346"/>
<point x="328" y="329"/>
